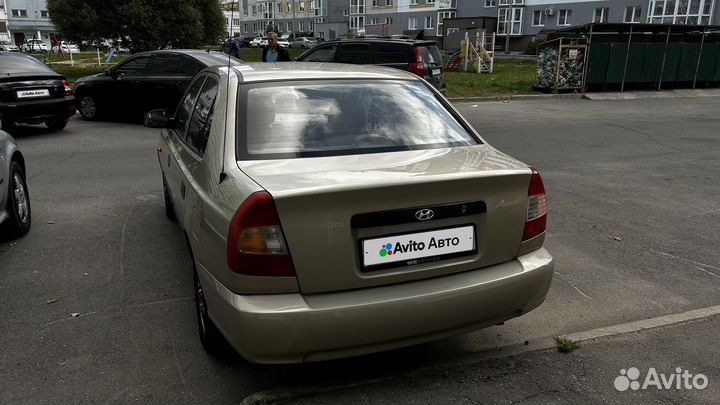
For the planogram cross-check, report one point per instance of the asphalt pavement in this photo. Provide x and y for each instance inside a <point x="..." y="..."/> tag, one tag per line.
<point x="96" y="304"/>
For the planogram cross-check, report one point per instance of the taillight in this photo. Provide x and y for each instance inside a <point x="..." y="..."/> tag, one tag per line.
<point x="536" y="220"/>
<point x="418" y="67"/>
<point x="68" y="88"/>
<point x="256" y="244"/>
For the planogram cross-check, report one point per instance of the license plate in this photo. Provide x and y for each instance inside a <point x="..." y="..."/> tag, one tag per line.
<point x="420" y="247"/>
<point x="436" y="71"/>
<point x="33" y="93"/>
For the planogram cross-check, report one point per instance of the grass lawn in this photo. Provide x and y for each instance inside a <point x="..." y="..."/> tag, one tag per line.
<point x="510" y="76"/>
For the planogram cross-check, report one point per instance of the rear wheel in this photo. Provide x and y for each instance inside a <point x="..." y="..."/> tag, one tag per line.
<point x="88" y="107"/>
<point x="56" y="124"/>
<point x="18" y="204"/>
<point x="210" y="337"/>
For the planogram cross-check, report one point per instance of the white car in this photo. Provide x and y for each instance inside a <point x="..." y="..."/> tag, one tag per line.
<point x="283" y="43"/>
<point x="7" y="46"/>
<point x="14" y="198"/>
<point x="65" y="47"/>
<point x="257" y="42"/>
<point x="34" y="45"/>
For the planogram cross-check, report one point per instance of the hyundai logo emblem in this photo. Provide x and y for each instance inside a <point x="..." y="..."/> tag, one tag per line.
<point x="424" y="214"/>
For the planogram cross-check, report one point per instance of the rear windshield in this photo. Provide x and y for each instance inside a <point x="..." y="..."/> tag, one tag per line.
<point x="11" y="64"/>
<point x="305" y="119"/>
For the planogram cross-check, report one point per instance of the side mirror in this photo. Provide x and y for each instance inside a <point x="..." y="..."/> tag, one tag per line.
<point x="157" y="119"/>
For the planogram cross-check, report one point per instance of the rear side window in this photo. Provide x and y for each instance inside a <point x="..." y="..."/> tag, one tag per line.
<point x="343" y="117"/>
<point x="186" y="107"/>
<point x="22" y="64"/>
<point x="133" y="67"/>
<point x="391" y="53"/>
<point x="201" y="120"/>
<point x="162" y="65"/>
<point x="322" y="54"/>
<point x="191" y="67"/>
<point x="358" y="54"/>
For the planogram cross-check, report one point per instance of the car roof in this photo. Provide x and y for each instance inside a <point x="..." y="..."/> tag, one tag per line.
<point x="259" y="72"/>
<point x="207" y="57"/>
<point x="386" y="40"/>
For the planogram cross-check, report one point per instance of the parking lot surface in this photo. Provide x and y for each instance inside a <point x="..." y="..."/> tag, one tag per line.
<point x="96" y="301"/>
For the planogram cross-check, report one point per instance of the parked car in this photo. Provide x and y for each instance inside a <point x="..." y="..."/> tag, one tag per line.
<point x="34" y="45"/>
<point x="420" y="57"/>
<point x="7" y="46"/>
<point x="283" y="43"/>
<point x="32" y="93"/>
<point x="353" y="199"/>
<point x="142" y="82"/>
<point x="15" y="216"/>
<point x="65" y="47"/>
<point x="257" y="42"/>
<point x="303" y="43"/>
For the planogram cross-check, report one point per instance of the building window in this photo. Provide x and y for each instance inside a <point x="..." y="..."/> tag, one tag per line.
<point x="413" y="2"/>
<point x="236" y="22"/>
<point x="301" y="26"/>
<point x="600" y="15"/>
<point x="680" y="12"/>
<point x="632" y="14"/>
<point x="518" y="2"/>
<point x="312" y="26"/>
<point x="389" y="2"/>
<point x="429" y="23"/>
<point x="374" y="21"/>
<point x="489" y="3"/>
<point x="44" y="14"/>
<point x="255" y="27"/>
<point x="430" y="1"/>
<point x="302" y="7"/>
<point x="510" y="19"/>
<point x="538" y="18"/>
<point x="564" y="17"/>
<point x="357" y="7"/>
<point x="21" y="13"/>
<point x="504" y="2"/>
<point x="245" y="27"/>
<point x="388" y="20"/>
<point x="357" y="22"/>
<point x="412" y="23"/>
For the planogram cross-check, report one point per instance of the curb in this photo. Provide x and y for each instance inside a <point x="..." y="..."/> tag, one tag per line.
<point x="516" y="97"/>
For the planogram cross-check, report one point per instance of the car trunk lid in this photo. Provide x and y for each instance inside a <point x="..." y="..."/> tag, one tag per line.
<point x="339" y="213"/>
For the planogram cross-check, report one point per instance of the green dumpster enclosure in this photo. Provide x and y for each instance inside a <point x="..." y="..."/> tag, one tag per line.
<point x="641" y="56"/>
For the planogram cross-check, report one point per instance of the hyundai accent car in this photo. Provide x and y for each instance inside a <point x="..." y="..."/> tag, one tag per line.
<point x="334" y="210"/>
<point x="15" y="217"/>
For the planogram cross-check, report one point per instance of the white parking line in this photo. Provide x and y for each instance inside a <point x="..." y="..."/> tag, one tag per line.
<point x="289" y="393"/>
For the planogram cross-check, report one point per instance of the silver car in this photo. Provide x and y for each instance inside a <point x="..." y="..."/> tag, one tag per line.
<point x="15" y="218"/>
<point x="334" y="210"/>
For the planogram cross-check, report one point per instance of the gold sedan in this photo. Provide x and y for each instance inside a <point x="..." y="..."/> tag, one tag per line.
<point x="334" y="210"/>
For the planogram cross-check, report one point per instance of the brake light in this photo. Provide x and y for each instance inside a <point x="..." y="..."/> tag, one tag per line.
<point x="256" y="244"/>
<point x="536" y="221"/>
<point x="68" y="88"/>
<point x="418" y="67"/>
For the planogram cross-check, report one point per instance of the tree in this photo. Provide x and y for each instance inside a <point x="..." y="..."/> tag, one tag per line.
<point x="141" y="24"/>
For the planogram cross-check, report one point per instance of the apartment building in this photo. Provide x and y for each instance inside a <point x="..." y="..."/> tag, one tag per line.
<point x="28" y="19"/>
<point x="517" y="20"/>
<point x="4" y="33"/>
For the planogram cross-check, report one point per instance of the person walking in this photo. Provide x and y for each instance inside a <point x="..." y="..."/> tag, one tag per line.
<point x="235" y="48"/>
<point x="274" y="52"/>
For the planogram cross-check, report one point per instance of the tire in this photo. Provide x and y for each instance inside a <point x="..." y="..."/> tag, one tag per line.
<point x="18" y="205"/>
<point x="169" y="212"/>
<point x="212" y="340"/>
<point x="88" y="107"/>
<point x="56" y="124"/>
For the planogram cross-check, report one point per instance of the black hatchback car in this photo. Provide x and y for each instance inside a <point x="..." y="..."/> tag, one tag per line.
<point x="143" y="82"/>
<point x="33" y="93"/>
<point x="420" y="57"/>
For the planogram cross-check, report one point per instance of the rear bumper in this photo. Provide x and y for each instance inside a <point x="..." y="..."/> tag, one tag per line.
<point x="33" y="111"/>
<point x="293" y="328"/>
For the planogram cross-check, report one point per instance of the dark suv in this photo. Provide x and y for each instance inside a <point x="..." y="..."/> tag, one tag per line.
<point x="416" y="56"/>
